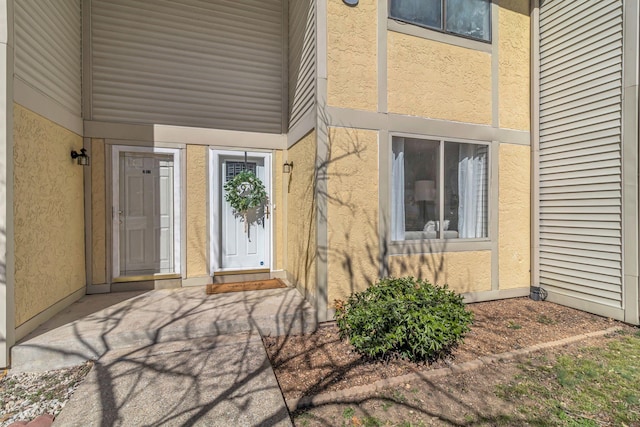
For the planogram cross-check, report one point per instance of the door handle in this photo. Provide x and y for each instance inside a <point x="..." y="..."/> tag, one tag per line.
<point x="267" y="212"/>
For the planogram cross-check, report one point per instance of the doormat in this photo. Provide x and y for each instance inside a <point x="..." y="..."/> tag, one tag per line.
<point x="256" y="285"/>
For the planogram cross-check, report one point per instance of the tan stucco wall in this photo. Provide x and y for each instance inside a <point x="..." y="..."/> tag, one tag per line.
<point x="49" y="214"/>
<point x="278" y="212"/>
<point x="437" y="80"/>
<point x="352" y="55"/>
<point x="197" y="211"/>
<point x="514" y="216"/>
<point x="462" y="271"/>
<point x="301" y="216"/>
<point x="514" y="67"/>
<point x="352" y="213"/>
<point x="98" y="212"/>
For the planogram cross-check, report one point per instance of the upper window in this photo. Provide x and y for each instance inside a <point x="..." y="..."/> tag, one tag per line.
<point x="468" y="18"/>
<point x="438" y="190"/>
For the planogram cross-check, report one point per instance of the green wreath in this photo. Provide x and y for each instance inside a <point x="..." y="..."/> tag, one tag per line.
<point x="243" y="192"/>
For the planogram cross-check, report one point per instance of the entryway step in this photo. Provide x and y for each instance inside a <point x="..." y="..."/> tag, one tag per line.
<point x="161" y="316"/>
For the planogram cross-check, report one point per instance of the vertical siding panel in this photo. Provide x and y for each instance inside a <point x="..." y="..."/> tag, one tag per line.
<point x="580" y="151"/>
<point x="215" y="64"/>
<point x="48" y="49"/>
<point x="302" y="61"/>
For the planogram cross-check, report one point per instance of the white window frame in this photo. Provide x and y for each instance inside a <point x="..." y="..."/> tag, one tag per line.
<point x="475" y="243"/>
<point x="442" y="28"/>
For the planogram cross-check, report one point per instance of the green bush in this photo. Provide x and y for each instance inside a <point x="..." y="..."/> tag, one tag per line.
<point x="404" y="317"/>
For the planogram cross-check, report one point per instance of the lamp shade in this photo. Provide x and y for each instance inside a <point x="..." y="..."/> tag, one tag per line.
<point x="424" y="191"/>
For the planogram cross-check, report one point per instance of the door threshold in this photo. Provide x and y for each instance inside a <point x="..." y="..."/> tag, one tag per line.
<point x="161" y="276"/>
<point x="236" y="272"/>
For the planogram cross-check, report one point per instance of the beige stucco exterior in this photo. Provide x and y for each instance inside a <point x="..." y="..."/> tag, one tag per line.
<point x="49" y="214"/>
<point x="430" y="79"/>
<point x="352" y="68"/>
<point x="98" y="213"/>
<point x="352" y="213"/>
<point x="514" y="216"/>
<point x="461" y="271"/>
<point x="514" y="64"/>
<point x="196" y="194"/>
<point x="301" y="216"/>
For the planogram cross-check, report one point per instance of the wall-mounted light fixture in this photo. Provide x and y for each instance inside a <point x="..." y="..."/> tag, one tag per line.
<point x="83" y="158"/>
<point x="351" y="3"/>
<point x="287" y="167"/>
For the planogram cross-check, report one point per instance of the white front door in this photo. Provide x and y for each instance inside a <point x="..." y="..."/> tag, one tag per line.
<point x="145" y="214"/>
<point x="236" y="245"/>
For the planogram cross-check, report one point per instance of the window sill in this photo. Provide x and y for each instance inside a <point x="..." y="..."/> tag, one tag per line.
<point x="429" y="246"/>
<point x="425" y="33"/>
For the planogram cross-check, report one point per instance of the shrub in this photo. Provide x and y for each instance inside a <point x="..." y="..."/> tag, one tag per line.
<point x="404" y="317"/>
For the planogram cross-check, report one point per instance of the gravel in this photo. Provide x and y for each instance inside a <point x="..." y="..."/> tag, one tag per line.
<point x="25" y="396"/>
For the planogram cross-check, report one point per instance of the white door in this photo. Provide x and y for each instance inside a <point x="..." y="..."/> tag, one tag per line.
<point x="145" y="214"/>
<point x="236" y="245"/>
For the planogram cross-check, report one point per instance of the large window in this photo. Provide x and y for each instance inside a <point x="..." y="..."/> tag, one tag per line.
<point x="438" y="190"/>
<point x="468" y="18"/>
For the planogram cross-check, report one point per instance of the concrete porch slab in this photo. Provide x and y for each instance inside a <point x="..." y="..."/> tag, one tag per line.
<point x="154" y="317"/>
<point x="214" y="381"/>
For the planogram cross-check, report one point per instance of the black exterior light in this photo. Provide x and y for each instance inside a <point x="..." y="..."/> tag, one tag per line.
<point x="83" y="158"/>
<point x="287" y="167"/>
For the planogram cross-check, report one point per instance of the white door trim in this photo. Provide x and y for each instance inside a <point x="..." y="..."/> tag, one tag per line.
<point x="215" y="200"/>
<point x="115" y="201"/>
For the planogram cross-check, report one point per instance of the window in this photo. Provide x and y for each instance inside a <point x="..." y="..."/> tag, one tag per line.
<point x="468" y="18"/>
<point x="438" y="190"/>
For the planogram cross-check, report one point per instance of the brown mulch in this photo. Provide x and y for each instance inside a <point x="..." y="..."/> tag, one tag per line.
<point x="321" y="362"/>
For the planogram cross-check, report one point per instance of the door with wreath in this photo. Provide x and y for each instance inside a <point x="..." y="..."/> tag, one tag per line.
<point x="244" y="226"/>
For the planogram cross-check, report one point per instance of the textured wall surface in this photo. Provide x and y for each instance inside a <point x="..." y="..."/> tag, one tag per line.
<point x="278" y="210"/>
<point x="514" y="216"/>
<point x="49" y="214"/>
<point x="437" y="80"/>
<point x="462" y="271"/>
<point x="98" y="214"/>
<point x="301" y="216"/>
<point x="351" y="55"/>
<point x="197" y="232"/>
<point x="354" y="247"/>
<point x="514" y="68"/>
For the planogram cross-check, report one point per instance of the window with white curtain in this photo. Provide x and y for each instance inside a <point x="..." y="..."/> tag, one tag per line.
<point x="467" y="18"/>
<point x="439" y="189"/>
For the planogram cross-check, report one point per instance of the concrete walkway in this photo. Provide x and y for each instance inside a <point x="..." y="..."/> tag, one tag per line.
<point x="170" y="357"/>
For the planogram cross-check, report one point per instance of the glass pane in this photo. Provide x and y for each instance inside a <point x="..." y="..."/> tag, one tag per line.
<point x="414" y="210"/>
<point x="469" y="18"/>
<point x="465" y="191"/>
<point x="422" y="12"/>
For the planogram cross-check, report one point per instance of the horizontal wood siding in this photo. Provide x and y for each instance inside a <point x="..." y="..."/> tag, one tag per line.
<point x="302" y="59"/>
<point x="48" y="49"/>
<point x="215" y="64"/>
<point x="580" y="150"/>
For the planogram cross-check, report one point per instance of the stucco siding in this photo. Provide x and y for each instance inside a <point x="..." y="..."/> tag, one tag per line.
<point x="49" y="214"/>
<point x="197" y="242"/>
<point x="437" y="80"/>
<point x="462" y="271"/>
<point x="352" y="214"/>
<point x="514" y="64"/>
<point x="514" y="216"/>
<point x="301" y="216"/>
<point x="98" y="214"/>
<point x="352" y="55"/>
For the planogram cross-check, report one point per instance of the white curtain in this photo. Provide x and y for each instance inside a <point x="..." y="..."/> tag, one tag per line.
<point x="397" y="194"/>
<point x="472" y="191"/>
